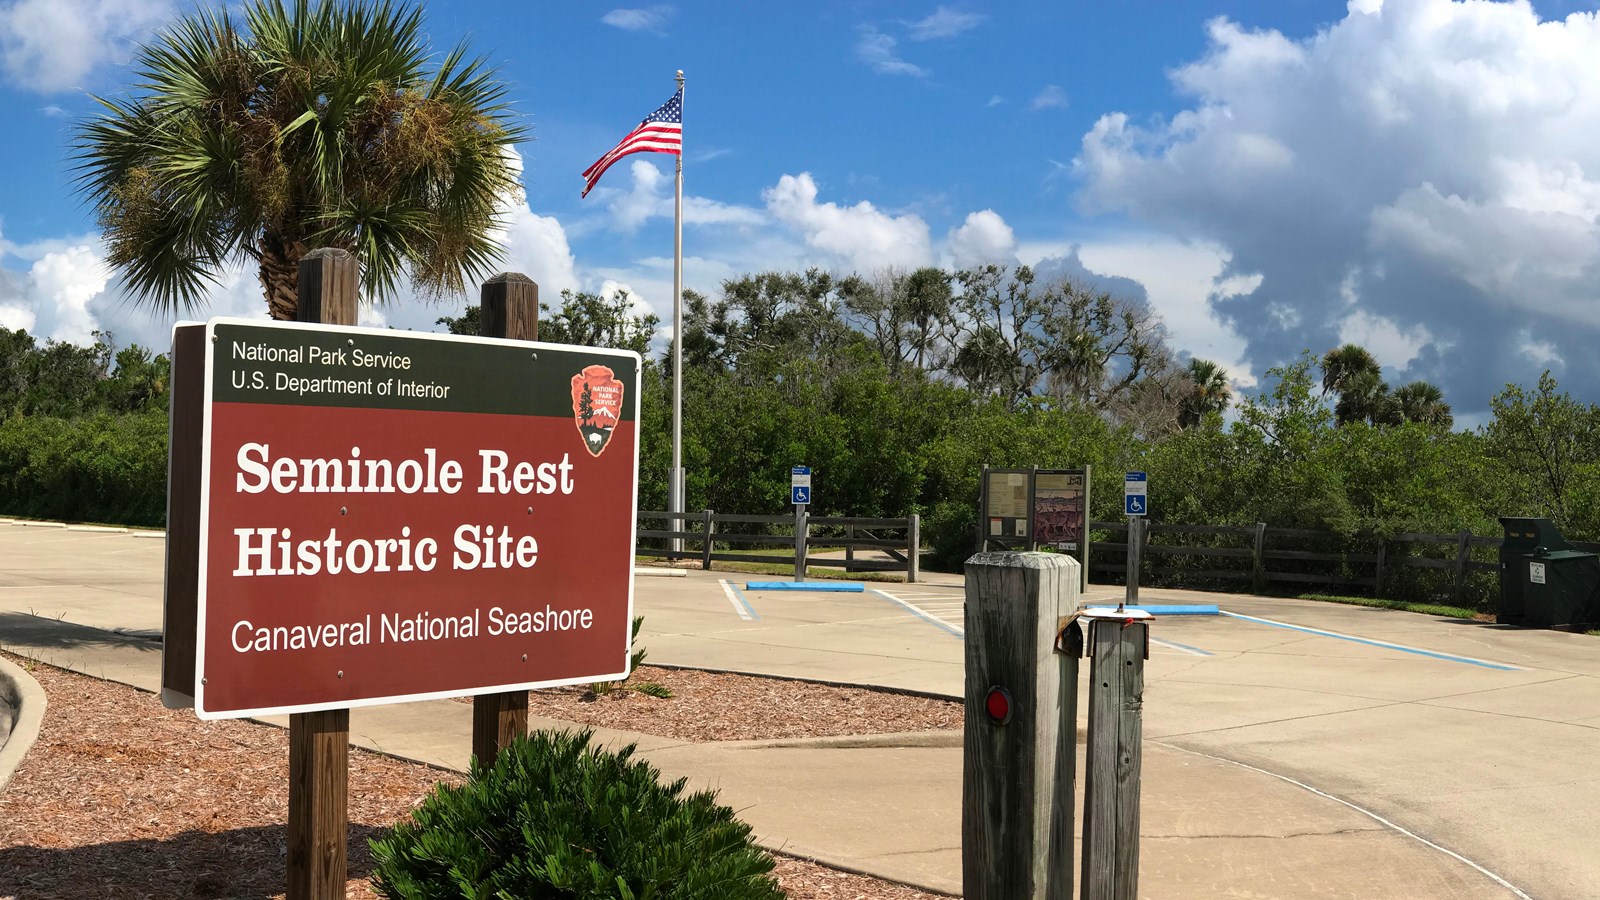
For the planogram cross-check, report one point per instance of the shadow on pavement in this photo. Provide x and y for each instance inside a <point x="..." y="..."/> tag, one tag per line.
<point x="37" y="632"/>
<point x="245" y="863"/>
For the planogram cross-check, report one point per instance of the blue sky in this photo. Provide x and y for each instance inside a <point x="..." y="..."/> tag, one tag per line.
<point x="1422" y="176"/>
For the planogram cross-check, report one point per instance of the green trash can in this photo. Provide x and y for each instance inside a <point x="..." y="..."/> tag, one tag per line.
<point x="1523" y="537"/>
<point x="1561" y="590"/>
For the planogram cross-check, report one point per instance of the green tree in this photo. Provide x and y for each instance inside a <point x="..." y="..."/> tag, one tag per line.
<point x="1207" y="392"/>
<point x="590" y="320"/>
<point x="307" y="125"/>
<point x="1424" y="404"/>
<point x="1365" y="397"/>
<point x="1342" y="364"/>
<point x="901" y="315"/>
<point x="1015" y="338"/>
<point x="1546" y="436"/>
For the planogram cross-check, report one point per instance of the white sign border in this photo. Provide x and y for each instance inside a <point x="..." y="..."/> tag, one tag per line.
<point x="205" y="522"/>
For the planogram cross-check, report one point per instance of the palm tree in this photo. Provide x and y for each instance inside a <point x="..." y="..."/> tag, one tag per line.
<point x="1207" y="392"/>
<point x="1422" y="402"/>
<point x="1364" y="397"/>
<point x="1341" y="365"/>
<point x="314" y="125"/>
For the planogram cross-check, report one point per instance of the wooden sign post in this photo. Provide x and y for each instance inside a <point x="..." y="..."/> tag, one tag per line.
<point x="1118" y="644"/>
<point x="1020" y="728"/>
<point x="319" y="742"/>
<point x="509" y="308"/>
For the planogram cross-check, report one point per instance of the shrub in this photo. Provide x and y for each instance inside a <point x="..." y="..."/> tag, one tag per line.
<point x="96" y="468"/>
<point x="556" y="817"/>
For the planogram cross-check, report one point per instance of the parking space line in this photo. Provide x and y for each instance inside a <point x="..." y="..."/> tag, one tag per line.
<point x="740" y="604"/>
<point x="1447" y="657"/>
<point x="924" y="615"/>
<point x="1174" y="645"/>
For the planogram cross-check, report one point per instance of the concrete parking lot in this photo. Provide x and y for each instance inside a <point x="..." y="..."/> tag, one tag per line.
<point x="1293" y="748"/>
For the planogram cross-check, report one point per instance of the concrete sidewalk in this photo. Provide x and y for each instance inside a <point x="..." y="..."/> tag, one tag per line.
<point x="887" y="805"/>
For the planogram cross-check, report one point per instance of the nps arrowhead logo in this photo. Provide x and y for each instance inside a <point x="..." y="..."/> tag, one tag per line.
<point x="597" y="406"/>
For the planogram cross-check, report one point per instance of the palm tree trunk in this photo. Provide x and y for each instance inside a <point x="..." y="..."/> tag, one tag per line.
<point x="280" y="276"/>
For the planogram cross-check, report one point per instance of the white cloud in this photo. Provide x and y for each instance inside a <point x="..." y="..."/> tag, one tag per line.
<point x="64" y="283"/>
<point x="54" y="45"/>
<point x="1541" y="353"/>
<point x="944" y="22"/>
<point x="650" y="197"/>
<point x="16" y="318"/>
<point x="1051" y="96"/>
<point x="1183" y="280"/>
<point x="537" y="247"/>
<point x="983" y="238"/>
<point x="995" y="100"/>
<point x="654" y="18"/>
<point x="1393" y="347"/>
<point x="1438" y="161"/>
<point x="881" y="54"/>
<point x="862" y="237"/>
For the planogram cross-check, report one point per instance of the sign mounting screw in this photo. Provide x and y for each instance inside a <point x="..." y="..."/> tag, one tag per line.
<point x="341" y="673"/>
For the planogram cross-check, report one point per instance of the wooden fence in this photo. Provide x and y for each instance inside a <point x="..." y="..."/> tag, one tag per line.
<point x="1261" y="556"/>
<point x="704" y="535"/>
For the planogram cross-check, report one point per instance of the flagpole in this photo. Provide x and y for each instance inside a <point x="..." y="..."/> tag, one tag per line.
<point x="675" y="489"/>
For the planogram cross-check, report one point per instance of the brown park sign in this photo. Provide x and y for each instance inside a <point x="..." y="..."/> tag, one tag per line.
<point x="365" y="516"/>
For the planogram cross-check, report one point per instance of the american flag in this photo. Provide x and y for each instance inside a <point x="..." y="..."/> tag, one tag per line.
<point x="660" y="132"/>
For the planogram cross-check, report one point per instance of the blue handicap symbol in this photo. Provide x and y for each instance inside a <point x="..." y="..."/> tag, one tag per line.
<point x="1135" y="503"/>
<point x="802" y="495"/>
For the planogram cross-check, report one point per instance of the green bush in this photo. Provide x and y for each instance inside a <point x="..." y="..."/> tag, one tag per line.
<point x="556" y="817"/>
<point x="94" y="468"/>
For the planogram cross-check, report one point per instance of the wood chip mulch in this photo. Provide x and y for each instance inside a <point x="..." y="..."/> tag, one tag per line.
<point x="715" y="706"/>
<point x="121" y="799"/>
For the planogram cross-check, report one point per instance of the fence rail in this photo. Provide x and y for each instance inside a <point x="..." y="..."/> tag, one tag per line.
<point x="697" y="536"/>
<point x="1367" y="560"/>
<point x="1259" y="555"/>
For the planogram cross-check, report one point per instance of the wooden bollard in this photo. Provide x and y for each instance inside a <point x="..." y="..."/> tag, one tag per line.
<point x="1117" y="645"/>
<point x="509" y="304"/>
<point x="1020" y="728"/>
<point x="319" y="742"/>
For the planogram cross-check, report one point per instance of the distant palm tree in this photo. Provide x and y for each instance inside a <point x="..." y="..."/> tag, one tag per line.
<point x="314" y="125"/>
<point x="1343" y="364"/>
<point x="1364" y="397"/>
<point x="1207" y="392"/>
<point x="1422" y="402"/>
<point x="927" y="299"/>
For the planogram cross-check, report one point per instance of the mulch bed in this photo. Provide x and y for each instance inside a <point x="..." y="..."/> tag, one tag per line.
<point x="121" y="798"/>
<point x="715" y="706"/>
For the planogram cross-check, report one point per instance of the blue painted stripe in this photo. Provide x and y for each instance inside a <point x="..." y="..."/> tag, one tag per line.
<point x="1180" y="609"/>
<point x="932" y="620"/>
<point x="1177" y="646"/>
<point x="853" y="587"/>
<point x="1384" y="644"/>
<point x="744" y="600"/>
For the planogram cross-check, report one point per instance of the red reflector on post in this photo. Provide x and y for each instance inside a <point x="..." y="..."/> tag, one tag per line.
<point x="998" y="705"/>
